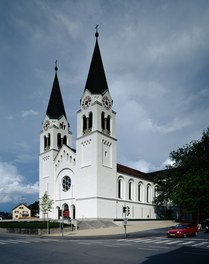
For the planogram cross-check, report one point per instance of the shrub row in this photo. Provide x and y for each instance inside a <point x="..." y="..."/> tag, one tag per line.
<point x="28" y="224"/>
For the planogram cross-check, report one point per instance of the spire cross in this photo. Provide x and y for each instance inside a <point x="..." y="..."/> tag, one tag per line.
<point x="96" y="27"/>
<point x="96" y="34"/>
<point x="56" y="68"/>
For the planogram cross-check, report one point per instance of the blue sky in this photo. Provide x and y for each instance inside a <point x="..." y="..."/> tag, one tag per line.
<point x="156" y="59"/>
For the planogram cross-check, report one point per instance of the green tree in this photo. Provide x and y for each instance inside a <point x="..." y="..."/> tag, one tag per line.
<point x="46" y="204"/>
<point x="186" y="181"/>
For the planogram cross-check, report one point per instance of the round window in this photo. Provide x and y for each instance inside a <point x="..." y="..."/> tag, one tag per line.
<point x="66" y="183"/>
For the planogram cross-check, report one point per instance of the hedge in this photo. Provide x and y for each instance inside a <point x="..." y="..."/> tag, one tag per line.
<point x="28" y="224"/>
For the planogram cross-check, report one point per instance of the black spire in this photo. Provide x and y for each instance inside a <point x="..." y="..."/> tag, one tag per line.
<point x="96" y="81"/>
<point x="55" y="108"/>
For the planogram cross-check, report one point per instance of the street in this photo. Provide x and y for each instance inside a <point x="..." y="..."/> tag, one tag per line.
<point x="145" y="247"/>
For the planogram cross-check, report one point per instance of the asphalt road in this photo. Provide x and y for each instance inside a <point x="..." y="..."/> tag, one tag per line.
<point x="145" y="247"/>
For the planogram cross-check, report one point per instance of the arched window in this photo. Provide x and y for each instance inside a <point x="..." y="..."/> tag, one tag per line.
<point x="84" y="124"/>
<point x="73" y="211"/>
<point x="140" y="186"/>
<point x="108" y="124"/>
<point x="103" y="121"/>
<point x="65" y="140"/>
<point x="59" y="140"/>
<point x="66" y="212"/>
<point x="90" y="121"/>
<point x="120" y="188"/>
<point x="87" y="123"/>
<point x="148" y="193"/>
<point x="45" y="142"/>
<point x="49" y="140"/>
<point x="131" y="190"/>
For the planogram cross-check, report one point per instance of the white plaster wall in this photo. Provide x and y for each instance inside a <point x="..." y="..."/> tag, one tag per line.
<point x="86" y="208"/>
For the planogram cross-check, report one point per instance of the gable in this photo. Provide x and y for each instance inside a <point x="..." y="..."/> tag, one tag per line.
<point x="21" y="205"/>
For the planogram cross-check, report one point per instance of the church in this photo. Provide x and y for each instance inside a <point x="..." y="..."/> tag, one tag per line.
<point x="87" y="182"/>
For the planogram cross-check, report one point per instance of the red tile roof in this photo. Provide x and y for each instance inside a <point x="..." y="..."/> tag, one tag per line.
<point x="132" y="172"/>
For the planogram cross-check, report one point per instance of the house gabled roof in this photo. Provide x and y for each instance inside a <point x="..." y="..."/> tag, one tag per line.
<point x="55" y="108"/>
<point x="96" y="81"/>
<point x="19" y="205"/>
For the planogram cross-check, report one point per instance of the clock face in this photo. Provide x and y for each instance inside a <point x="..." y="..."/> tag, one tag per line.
<point x="46" y="125"/>
<point x="106" y="102"/>
<point x="86" y="102"/>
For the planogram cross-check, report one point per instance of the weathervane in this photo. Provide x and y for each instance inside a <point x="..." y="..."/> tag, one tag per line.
<point x="96" y="34"/>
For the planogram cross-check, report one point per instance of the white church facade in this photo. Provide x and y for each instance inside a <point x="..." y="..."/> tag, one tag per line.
<point x="87" y="182"/>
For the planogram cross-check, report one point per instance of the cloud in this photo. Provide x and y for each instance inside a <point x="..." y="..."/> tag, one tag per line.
<point x="141" y="165"/>
<point x="168" y="162"/>
<point x="27" y="113"/>
<point x="13" y="185"/>
<point x="145" y="166"/>
<point x="25" y="158"/>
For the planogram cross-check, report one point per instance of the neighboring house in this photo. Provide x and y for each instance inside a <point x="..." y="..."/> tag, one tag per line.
<point x="87" y="182"/>
<point x="21" y="211"/>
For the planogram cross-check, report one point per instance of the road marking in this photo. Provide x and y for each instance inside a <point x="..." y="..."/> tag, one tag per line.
<point x="159" y="247"/>
<point x="200" y="244"/>
<point x="137" y="240"/>
<point x="3" y="242"/>
<point x="162" y="241"/>
<point x="173" y="242"/>
<point x="84" y="243"/>
<point x="12" y="242"/>
<point x="194" y="242"/>
<point x="150" y="249"/>
<point x="150" y="241"/>
<point x="112" y="246"/>
<point x="147" y="240"/>
<point x="120" y="244"/>
<point x="22" y="241"/>
<point x="188" y="242"/>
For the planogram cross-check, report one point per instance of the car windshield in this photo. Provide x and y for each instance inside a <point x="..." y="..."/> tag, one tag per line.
<point x="180" y="226"/>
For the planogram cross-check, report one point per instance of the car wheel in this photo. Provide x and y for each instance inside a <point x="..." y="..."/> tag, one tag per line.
<point x="195" y="233"/>
<point x="184" y="235"/>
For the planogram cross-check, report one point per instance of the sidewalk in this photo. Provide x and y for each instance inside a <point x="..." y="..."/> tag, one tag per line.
<point x="131" y="227"/>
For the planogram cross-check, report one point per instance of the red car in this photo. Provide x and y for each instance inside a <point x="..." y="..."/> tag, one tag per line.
<point x="183" y="230"/>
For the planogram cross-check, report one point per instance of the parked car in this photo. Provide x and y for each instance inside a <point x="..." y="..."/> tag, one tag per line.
<point x="183" y="230"/>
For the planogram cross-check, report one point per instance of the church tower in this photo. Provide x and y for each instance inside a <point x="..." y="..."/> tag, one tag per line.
<point x="86" y="182"/>
<point x="54" y="134"/>
<point x="96" y="145"/>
